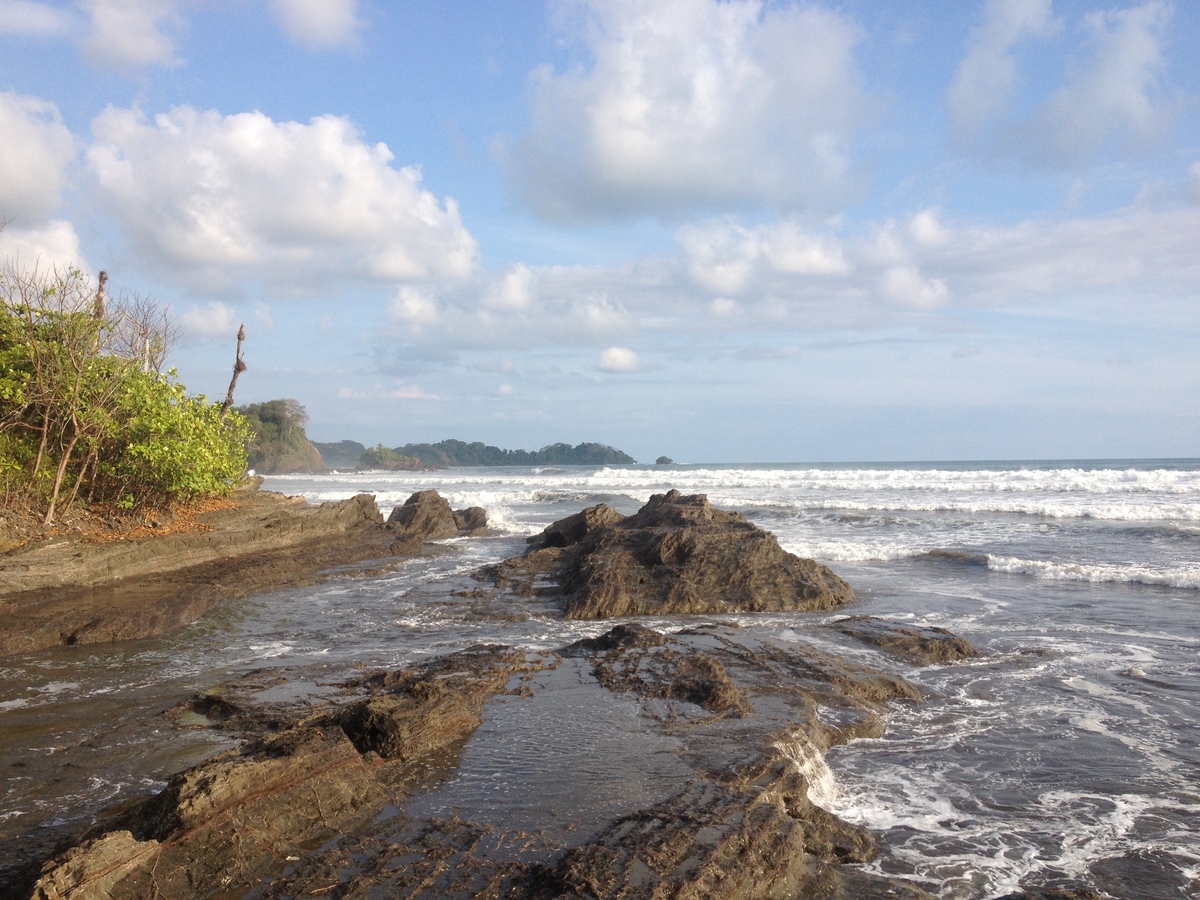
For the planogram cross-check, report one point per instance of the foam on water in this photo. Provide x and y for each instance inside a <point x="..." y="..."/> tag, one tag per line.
<point x="1073" y="738"/>
<point x="1186" y="577"/>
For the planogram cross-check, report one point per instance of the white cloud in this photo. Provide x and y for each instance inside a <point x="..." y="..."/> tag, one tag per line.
<point x="512" y="291"/>
<point x="1116" y="96"/>
<point x="230" y="196"/>
<point x="722" y="306"/>
<point x="505" y="390"/>
<point x="131" y="34"/>
<point x="986" y="81"/>
<point x="1194" y="178"/>
<point x="30" y="19"/>
<point x="53" y="244"/>
<point x="37" y="152"/>
<point x="413" y="306"/>
<point x="905" y="285"/>
<point x="318" y="23"/>
<point x="726" y="257"/>
<point x="619" y="359"/>
<point x="694" y="104"/>
<point x="398" y="390"/>
<point x="214" y="319"/>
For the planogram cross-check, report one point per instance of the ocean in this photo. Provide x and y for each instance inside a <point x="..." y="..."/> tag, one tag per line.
<point x="1068" y="752"/>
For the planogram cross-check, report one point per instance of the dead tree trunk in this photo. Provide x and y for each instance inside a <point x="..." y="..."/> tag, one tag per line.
<point x="239" y="366"/>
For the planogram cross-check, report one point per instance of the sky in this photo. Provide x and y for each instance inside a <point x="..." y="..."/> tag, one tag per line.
<point x="717" y="230"/>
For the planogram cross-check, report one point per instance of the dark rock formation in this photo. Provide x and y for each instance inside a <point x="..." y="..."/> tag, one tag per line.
<point x="426" y="515"/>
<point x="677" y="555"/>
<point x="918" y="645"/>
<point x="321" y="804"/>
<point x="415" y="713"/>
<point x="664" y="461"/>
<point x="69" y="592"/>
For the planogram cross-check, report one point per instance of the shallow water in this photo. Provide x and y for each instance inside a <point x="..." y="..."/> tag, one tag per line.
<point x="1071" y="749"/>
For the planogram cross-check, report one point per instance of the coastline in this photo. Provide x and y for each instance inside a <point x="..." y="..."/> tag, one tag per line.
<point x="65" y="591"/>
<point x="433" y="605"/>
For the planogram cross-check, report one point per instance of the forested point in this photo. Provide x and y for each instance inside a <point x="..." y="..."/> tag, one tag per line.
<point x="453" y="453"/>
<point x="278" y="442"/>
<point x="87" y="415"/>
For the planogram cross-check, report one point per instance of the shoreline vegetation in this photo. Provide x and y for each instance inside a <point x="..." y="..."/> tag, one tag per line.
<point x="89" y="420"/>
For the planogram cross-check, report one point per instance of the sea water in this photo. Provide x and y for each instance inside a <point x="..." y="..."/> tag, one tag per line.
<point x="1068" y="752"/>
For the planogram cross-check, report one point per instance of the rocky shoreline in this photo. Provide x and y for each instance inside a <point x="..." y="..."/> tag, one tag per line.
<point x="343" y="800"/>
<point x="67" y="592"/>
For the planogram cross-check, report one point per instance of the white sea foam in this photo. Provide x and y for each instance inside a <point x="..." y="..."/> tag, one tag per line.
<point x="809" y="762"/>
<point x="1186" y="577"/>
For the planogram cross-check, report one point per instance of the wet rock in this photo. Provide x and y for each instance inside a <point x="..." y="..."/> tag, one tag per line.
<point x="71" y="593"/>
<point x="230" y="820"/>
<point x="95" y="869"/>
<point x="637" y="659"/>
<point x="418" y="712"/>
<point x="427" y="515"/>
<point x="573" y="529"/>
<point x="919" y="645"/>
<point x="754" y="834"/>
<point x="472" y="520"/>
<point x="677" y="555"/>
<point x="322" y="805"/>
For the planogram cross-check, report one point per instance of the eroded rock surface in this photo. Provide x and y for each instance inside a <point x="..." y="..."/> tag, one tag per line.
<point x="919" y="645"/>
<point x="71" y="593"/>
<point x="677" y="555"/>
<point x="427" y="516"/>
<point x="328" y="801"/>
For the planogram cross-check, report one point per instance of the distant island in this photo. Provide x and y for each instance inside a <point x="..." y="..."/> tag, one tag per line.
<point x="280" y="446"/>
<point x="454" y="453"/>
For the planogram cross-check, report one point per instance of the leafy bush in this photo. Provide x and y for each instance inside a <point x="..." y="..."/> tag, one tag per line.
<point x="84" y="411"/>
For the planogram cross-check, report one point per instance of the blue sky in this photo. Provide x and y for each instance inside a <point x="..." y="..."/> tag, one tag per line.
<point x="721" y="231"/>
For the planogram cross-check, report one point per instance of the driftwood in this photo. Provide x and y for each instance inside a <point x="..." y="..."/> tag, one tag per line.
<point x="239" y="366"/>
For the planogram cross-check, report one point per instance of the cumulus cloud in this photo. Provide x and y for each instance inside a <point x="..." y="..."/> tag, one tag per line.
<point x="1115" y="97"/>
<point x="38" y="150"/>
<point x="212" y="320"/>
<point x="727" y="258"/>
<point x="237" y="195"/>
<point x="131" y="34"/>
<point x="905" y="285"/>
<point x="53" y="244"/>
<point x="29" y="19"/>
<point x="619" y="359"/>
<point x="413" y="306"/>
<point x="694" y="104"/>
<point x="986" y="81"/>
<point x="318" y="24"/>
<point x="512" y="291"/>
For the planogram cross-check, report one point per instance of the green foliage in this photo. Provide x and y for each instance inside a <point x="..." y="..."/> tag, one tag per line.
<point x="84" y="413"/>
<point x="381" y="457"/>
<point x="175" y="446"/>
<point x="340" y="455"/>
<point x="452" y="453"/>
<point x="278" y="443"/>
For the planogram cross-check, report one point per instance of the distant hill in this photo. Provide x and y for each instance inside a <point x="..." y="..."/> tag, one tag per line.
<point x="453" y="453"/>
<point x="342" y="455"/>
<point x="279" y="445"/>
